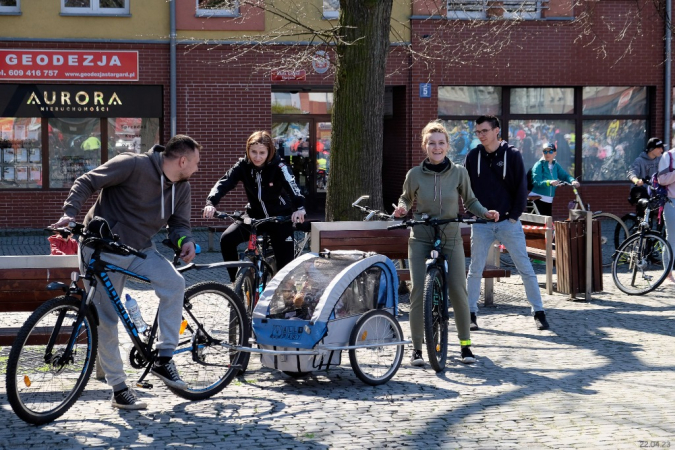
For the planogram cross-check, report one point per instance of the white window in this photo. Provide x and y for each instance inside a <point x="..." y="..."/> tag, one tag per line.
<point x="221" y="8"/>
<point x="331" y="9"/>
<point x="508" y="9"/>
<point x="98" y="7"/>
<point x="10" y="6"/>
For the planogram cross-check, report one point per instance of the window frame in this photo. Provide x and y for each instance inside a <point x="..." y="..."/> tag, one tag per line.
<point x="234" y="12"/>
<point x="11" y="9"/>
<point x="95" y="9"/>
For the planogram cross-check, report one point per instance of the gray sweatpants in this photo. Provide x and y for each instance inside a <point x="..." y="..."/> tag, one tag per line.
<point x="169" y="285"/>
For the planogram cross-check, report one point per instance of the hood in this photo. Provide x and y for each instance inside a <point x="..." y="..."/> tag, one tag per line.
<point x="272" y="162"/>
<point x="499" y="153"/>
<point x="156" y="155"/>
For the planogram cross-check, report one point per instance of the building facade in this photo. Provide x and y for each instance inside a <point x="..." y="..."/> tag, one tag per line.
<point x="83" y="80"/>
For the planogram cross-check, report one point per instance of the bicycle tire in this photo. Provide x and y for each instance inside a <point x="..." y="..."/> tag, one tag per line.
<point x="243" y="287"/>
<point x="643" y="262"/>
<point x="435" y="327"/>
<point x="376" y="365"/>
<point x="38" y="391"/>
<point x="608" y="225"/>
<point x="631" y="221"/>
<point x="214" y="314"/>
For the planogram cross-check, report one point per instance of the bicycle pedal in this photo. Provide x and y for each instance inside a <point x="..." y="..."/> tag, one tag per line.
<point x="144" y="385"/>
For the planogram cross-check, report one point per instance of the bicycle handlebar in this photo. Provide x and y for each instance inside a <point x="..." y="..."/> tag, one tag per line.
<point x="239" y="216"/>
<point x="436" y="222"/>
<point x="93" y="240"/>
<point x="371" y="212"/>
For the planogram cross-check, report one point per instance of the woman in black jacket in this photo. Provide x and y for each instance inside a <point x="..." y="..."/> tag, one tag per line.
<point x="271" y="191"/>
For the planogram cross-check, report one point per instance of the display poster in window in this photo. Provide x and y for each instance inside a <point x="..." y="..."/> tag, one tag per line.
<point x="21" y="173"/>
<point x="35" y="155"/>
<point x="21" y="155"/>
<point x="8" y="155"/>
<point x="20" y="132"/>
<point x="8" y="174"/>
<point x="35" y="173"/>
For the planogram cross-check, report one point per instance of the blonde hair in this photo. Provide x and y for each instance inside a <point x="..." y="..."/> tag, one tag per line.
<point x="435" y="126"/>
<point x="264" y="138"/>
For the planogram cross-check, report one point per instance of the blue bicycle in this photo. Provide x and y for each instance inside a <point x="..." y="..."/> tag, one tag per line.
<point x="53" y="355"/>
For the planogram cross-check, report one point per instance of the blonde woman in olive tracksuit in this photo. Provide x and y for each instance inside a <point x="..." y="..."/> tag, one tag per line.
<point x="437" y="184"/>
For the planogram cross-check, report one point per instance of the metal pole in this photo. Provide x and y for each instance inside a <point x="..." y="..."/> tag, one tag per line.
<point x="589" y="254"/>
<point x="172" y="63"/>
<point x="668" y="87"/>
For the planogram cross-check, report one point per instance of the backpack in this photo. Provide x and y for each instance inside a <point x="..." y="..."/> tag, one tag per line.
<point x="656" y="189"/>
<point x="530" y="181"/>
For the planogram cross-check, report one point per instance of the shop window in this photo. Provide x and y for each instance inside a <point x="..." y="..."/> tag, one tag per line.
<point x="74" y="148"/>
<point x="302" y="102"/>
<point x="221" y="8"/>
<point x="549" y="100"/>
<point x="530" y="135"/>
<point x="610" y="146"/>
<point x="614" y="100"/>
<point x="462" y="139"/>
<point x="331" y="9"/>
<point x="96" y="7"/>
<point x="131" y="135"/>
<point x="508" y="9"/>
<point x="10" y="6"/>
<point x="469" y="100"/>
<point x="20" y="153"/>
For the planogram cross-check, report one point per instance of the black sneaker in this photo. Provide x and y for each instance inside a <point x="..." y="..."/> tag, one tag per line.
<point x="417" y="359"/>
<point x="169" y="375"/>
<point x="467" y="356"/>
<point x="540" y="320"/>
<point x="474" y="323"/>
<point x="127" y="399"/>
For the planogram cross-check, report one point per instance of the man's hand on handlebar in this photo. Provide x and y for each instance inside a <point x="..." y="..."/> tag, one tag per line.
<point x="62" y="222"/>
<point x="209" y="211"/>
<point x="492" y="215"/>
<point x="400" y="211"/>
<point x="298" y="216"/>
<point x="188" y="252"/>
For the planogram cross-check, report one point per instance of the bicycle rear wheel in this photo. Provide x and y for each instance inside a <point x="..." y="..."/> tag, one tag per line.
<point x="215" y="316"/>
<point x="375" y="365"/>
<point x="435" y="328"/>
<point x="609" y="223"/>
<point x="642" y="263"/>
<point x="40" y="389"/>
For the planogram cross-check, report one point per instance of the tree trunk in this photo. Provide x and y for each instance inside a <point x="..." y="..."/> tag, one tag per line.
<point x="357" y="116"/>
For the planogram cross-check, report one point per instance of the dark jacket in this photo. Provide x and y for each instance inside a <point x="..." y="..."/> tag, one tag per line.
<point x="136" y="198"/>
<point x="270" y="190"/>
<point x="498" y="179"/>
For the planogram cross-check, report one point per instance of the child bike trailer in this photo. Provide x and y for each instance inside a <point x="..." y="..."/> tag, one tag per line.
<point x="319" y="305"/>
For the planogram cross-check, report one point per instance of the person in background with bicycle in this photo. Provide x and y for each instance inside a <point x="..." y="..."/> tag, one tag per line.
<point x="666" y="177"/>
<point x="271" y="191"/>
<point x="437" y="184"/>
<point x="140" y="195"/>
<point x="642" y="169"/>
<point x="498" y="179"/>
<point x="546" y="175"/>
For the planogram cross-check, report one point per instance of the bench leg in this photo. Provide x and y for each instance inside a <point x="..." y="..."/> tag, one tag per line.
<point x="210" y="241"/>
<point x="489" y="291"/>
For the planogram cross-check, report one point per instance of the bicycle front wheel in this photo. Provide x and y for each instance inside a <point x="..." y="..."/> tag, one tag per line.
<point x="435" y="327"/>
<point x="642" y="263"/>
<point x="215" y="316"/>
<point x="378" y="360"/>
<point x="41" y="387"/>
<point x="609" y="224"/>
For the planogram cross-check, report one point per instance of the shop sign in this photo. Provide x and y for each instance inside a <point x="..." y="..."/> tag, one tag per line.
<point x="289" y="75"/>
<point x="321" y="62"/>
<point x="68" y="65"/>
<point x="58" y="100"/>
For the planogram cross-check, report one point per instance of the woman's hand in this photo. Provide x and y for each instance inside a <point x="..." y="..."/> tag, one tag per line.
<point x="298" y="216"/>
<point x="492" y="215"/>
<point x="554" y="182"/>
<point x="209" y="211"/>
<point x="400" y="211"/>
<point x="576" y="184"/>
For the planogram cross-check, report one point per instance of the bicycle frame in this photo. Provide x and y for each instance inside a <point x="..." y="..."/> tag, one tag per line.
<point x="438" y="259"/>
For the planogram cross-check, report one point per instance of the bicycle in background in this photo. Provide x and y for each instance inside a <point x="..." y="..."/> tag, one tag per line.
<point x="52" y="358"/>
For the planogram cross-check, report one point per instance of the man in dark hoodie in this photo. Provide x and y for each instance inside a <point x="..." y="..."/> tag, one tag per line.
<point x="141" y="194"/>
<point x="497" y="177"/>
<point x="643" y="168"/>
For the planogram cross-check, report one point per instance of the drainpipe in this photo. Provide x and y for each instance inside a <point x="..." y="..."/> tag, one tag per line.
<point x="668" y="107"/>
<point x="172" y="63"/>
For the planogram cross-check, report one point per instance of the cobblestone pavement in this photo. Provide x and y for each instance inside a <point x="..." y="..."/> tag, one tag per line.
<point x="602" y="377"/>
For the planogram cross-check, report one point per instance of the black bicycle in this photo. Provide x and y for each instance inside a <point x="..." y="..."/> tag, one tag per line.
<point x="435" y="295"/>
<point x="53" y="355"/>
<point x="633" y="220"/>
<point x="644" y="260"/>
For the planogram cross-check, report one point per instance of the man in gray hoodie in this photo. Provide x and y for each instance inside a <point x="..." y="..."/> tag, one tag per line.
<point x="139" y="195"/>
<point x="643" y="168"/>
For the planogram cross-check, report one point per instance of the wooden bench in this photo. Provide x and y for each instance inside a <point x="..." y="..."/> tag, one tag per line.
<point x="23" y="284"/>
<point x="539" y="241"/>
<point x="392" y="243"/>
